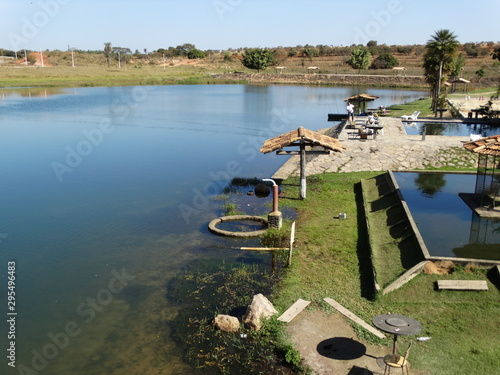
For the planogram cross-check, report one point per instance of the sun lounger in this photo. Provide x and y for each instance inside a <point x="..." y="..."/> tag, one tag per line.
<point x="411" y="117"/>
<point x="475" y="137"/>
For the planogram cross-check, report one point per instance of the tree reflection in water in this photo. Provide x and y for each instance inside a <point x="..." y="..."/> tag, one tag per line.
<point x="430" y="183"/>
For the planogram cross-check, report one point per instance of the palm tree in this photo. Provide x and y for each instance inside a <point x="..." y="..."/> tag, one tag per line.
<point x="438" y="59"/>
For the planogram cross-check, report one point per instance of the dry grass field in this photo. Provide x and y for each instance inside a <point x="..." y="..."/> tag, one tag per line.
<point x="91" y="69"/>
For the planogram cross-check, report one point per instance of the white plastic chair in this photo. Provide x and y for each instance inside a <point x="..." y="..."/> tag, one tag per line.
<point x="411" y="117"/>
<point x="475" y="137"/>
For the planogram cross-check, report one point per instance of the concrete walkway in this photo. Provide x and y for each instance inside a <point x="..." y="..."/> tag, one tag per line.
<point x="393" y="149"/>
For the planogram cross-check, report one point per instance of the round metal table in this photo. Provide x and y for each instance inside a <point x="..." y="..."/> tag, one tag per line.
<point x="397" y="325"/>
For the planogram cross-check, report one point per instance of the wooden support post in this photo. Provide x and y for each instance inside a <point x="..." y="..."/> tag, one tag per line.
<point x="303" y="186"/>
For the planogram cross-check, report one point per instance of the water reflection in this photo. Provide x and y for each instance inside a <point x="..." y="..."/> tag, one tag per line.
<point x="483" y="240"/>
<point x="430" y="183"/>
<point x="30" y="92"/>
<point x="447" y="224"/>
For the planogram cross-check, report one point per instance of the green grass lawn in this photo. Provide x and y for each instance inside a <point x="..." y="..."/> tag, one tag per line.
<point x="331" y="259"/>
<point x="423" y="105"/>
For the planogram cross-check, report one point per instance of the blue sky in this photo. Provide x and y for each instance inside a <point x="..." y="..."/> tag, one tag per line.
<point x="223" y="24"/>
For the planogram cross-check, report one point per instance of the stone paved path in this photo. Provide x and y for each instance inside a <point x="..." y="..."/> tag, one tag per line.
<point x="394" y="150"/>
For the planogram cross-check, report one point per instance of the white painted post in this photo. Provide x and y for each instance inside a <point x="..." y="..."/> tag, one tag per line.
<point x="292" y="240"/>
<point x="303" y="187"/>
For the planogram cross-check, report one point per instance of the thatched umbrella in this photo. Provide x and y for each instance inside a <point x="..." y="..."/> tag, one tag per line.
<point x="302" y="138"/>
<point x="361" y="100"/>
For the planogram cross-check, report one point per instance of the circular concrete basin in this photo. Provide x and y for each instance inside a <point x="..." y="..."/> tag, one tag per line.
<point x="212" y="226"/>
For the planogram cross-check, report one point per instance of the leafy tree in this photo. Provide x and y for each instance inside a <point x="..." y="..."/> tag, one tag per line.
<point x="258" y="58"/>
<point x="373" y="47"/>
<point x="324" y="50"/>
<point x="385" y="61"/>
<point x="32" y="59"/>
<point x="495" y="55"/>
<point x="310" y="52"/>
<point x="404" y="50"/>
<point x="471" y="49"/>
<point x="360" y="58"/>
<point x="438" y="60"/>
<point x="480" y="73"/>
<point x="108" y="50"/>
<point x="196" y="54"/>
<point x="184" y="49"/>
<point x="122" y="54"/>
<point x="458" y="65"/>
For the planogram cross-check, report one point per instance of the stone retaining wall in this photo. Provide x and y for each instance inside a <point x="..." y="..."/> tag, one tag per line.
<point x="327" y="79"/>
<point x="344" y="79"/>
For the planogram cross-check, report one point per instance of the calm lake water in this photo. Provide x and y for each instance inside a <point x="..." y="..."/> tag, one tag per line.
<point x="447" y="224"/>
<point x="106" y="194"/>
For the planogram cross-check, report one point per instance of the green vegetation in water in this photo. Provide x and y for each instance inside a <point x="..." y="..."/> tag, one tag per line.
<point x="201" y="296"/>
<point x="230" y="209"/>
<point x="238" y="184"/>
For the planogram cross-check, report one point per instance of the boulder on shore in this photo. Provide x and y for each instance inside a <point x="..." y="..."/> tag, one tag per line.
<point x="227" y="323"/>
<point x="260" y="308"/>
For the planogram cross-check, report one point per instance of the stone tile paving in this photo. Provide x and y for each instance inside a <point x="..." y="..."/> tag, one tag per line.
<point x="394" y="150"/>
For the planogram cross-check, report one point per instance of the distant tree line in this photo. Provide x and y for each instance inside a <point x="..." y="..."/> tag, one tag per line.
<point x="305" y="51"/>
<point x="359" y="57"/>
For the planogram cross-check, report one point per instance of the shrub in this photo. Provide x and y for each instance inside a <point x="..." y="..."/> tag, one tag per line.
<point x="384" y="61"/>
<point x="196" y="54"/>
<point x="258" y="58"/>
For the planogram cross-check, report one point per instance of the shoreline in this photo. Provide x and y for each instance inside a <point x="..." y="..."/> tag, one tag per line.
<point x="90" y="75"/>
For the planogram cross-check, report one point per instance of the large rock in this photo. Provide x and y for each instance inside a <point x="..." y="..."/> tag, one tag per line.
<point x="227" y="323"/>
<point x="443" y="267"/>
<point x="260" y="308"/>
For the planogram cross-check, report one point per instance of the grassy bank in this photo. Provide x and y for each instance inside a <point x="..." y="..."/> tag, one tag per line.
<point x="332" y="260"/>
<point x="423" y="105"/>
<point x="88" y="76"/>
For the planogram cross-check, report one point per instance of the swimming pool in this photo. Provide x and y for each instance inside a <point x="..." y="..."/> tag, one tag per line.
<point x="450" y="129"/>
<point x="447" y="224"/>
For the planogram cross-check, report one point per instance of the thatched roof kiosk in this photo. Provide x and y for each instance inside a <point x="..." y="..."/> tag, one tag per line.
<point x="361" y="100"/>
<point x="302" y="138"/>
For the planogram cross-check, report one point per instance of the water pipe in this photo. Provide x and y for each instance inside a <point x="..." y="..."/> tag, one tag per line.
<point x="275" y="193"/>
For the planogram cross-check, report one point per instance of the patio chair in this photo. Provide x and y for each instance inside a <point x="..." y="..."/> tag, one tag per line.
<point x="475" y="137"/>
<point x="412" y="117"/>
<point x="397" y="361"/>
